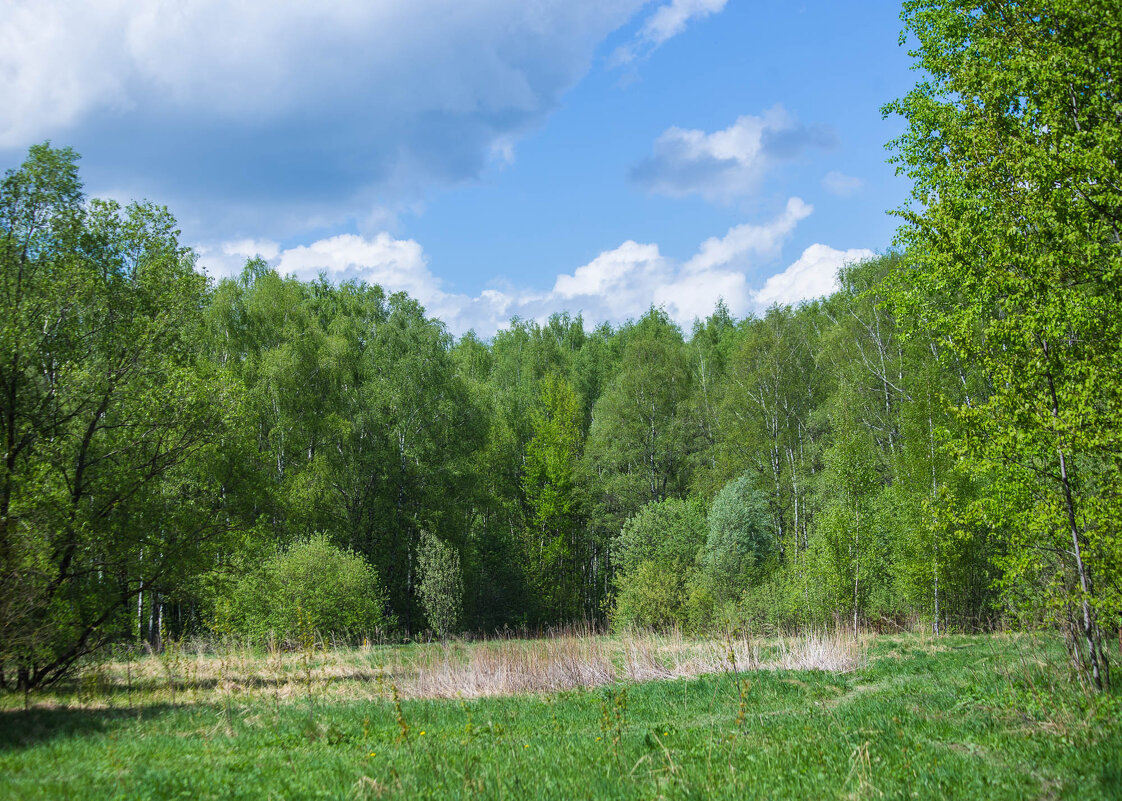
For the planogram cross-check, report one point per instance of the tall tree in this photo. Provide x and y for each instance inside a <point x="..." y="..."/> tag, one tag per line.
<point x="1015" y="145"/>
<point x="850" y="537"/>
<point x="111" y="486"/>
<point x="641" y="437"/>
<point x="773" y="389"/>
<point x="555" y="549"/>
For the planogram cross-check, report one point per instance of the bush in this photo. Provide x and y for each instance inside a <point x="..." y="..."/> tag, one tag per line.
<point x="651" y="595"/>
<point x="312" y="586"/>
<point x="656" y="557"/>
<point x="665" y="532"/>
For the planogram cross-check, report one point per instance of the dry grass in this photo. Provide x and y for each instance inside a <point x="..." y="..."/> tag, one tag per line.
<point x="213" y="672"/>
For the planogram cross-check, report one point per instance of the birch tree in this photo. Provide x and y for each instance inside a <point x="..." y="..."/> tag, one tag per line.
<point x="1014" y="142"/>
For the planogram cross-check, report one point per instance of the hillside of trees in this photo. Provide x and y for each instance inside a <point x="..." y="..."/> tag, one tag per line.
<point x="938" y="443"/>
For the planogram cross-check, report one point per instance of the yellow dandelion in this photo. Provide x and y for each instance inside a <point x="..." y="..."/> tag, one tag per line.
<point x="373" y="754"/>
<point x="666" y="734"/>
<point x="422" y="734"/>
<point x="526" y="746"/>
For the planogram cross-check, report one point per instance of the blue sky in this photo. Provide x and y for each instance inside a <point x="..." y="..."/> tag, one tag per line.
<point x="493" y="158"/>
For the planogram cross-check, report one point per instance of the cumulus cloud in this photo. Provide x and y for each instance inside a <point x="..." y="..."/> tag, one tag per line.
<point x="345" y="105"/>
<point x="742" y="240"/>
<point x="729" y="163"/>
<point x="664" y="23"/>
<point x="618" y="284"/>
<point x="840" y="184"/>
<point x="226" y="259"/>
<point x="396" y="264"/>
<point x="613" y="272"/>
<point x="626" y="281"/>
<point x="814" y="274"/>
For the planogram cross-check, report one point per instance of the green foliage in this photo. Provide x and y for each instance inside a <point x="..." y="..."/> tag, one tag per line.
<point x="111" y="486"/>
<point x="441" y="586"/>
<point x="850" y="533"/>
<point x="554" y="547"/>
<point x="740" y="538"/>
<point x="365" y="426"/>
<point x="774" y="387"/>
<point x="653" y="594"/>
<point x="641" y="437"/>
<point x="669" y="532"/>
<point x="311" y="586"/>
<point x="655" y="556"/>
<point x="1015" y="266"/>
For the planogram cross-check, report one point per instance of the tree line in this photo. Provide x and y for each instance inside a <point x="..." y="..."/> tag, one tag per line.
<point x="937" y="441"/>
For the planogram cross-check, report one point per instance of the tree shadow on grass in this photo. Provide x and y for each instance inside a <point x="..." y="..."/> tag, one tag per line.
<point x="24" y="728"/>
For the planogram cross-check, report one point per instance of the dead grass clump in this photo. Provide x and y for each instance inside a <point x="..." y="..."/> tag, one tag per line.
<point x="836" y="652"/>
<point x="645" y="659"/>
<point x="509" y="667"/>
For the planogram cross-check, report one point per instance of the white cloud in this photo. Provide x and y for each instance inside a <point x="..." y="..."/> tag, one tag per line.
<point x="54" y="66"/>
<point x="226" y="259"/>
<point x="623" y="283"/>
<point x="664" y="23"/>
<point x="613" y="272"/>
<point x="626" y="281"/>
<point x="398" y="265"/>
<point x="725" y="164"/>
<point x="742" y="240"/>
<point x="249" y="248"/>
<point x="814" y="275"/>
<point x="840" y="184"/>
<point x="693" y="297"/>
<point x="255" y="114"/>
<point x="618" y="284"/>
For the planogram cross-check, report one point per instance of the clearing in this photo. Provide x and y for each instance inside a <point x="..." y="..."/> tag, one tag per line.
<point x="638" y="716"/>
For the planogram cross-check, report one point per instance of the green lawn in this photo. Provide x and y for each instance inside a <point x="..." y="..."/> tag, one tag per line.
<point x="961" y="717"/>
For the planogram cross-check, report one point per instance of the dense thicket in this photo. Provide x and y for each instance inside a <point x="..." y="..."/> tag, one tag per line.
<point x="937" y="441"/>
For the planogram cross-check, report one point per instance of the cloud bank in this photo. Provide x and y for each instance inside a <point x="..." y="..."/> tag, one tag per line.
<point x="726" y="164"/>
<point x="618" y="284"/>
<point x="344" y="105"/>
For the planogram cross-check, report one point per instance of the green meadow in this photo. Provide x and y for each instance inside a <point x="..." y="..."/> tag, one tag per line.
<point x="989" y="717"/>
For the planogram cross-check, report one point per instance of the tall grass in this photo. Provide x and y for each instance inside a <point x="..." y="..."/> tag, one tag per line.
<point x="220" y="669"/>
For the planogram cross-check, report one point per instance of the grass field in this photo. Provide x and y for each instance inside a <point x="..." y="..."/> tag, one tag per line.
<point x="590" y="717"/>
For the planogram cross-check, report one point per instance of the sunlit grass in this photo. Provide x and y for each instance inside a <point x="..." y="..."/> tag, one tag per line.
<point x="957" y="717"/>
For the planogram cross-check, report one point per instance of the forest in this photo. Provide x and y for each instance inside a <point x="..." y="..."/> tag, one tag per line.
<point x="935" y="445"/>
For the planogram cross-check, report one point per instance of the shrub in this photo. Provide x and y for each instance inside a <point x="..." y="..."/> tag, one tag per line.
<point x="651" y="595"/>
<point x="665" y="532"/>
<point x="655" y="557"/>
<point x="312" y="585"/>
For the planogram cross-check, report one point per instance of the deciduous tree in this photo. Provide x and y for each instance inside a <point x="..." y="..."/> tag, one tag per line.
<point x="1014" y="142"/>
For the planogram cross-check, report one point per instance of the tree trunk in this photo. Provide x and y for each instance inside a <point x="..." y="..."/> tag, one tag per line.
<point x="935" y="522"/>
<point x="857" y="567"/>
<point x="1096" y="657"/>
